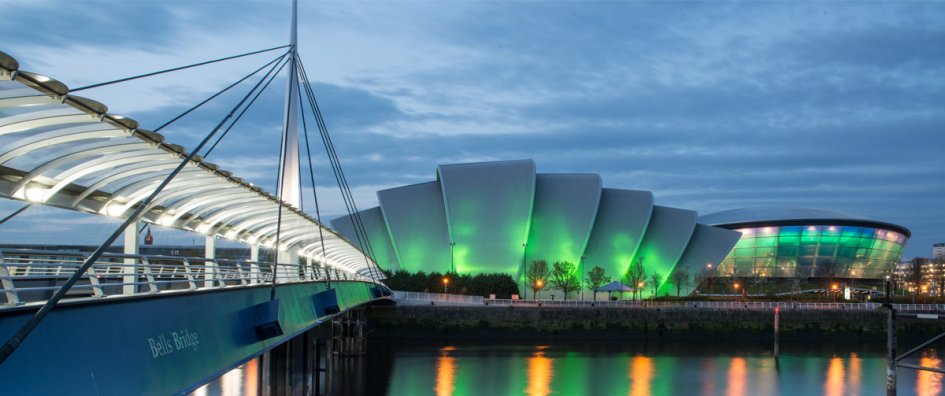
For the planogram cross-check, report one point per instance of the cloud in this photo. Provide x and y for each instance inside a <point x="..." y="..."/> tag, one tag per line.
<point x="710" y="105"/>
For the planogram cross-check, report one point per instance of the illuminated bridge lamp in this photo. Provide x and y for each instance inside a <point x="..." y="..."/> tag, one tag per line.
<point x="446" y="284"/>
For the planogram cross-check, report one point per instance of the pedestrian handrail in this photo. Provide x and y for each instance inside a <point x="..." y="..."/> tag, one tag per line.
<point x="402" y="296"/>
<point x="435" y="298"/>
<point x="33" y="276"/>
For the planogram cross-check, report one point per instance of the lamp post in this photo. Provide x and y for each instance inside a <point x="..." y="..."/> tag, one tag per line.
<point x="524" y="251"/>
<point x="538" y="286"/>
<point x="582" y="277"/>
<point x="708" y="277"/>
<point x="452" y="258"/>
<point x="446" y="284"/>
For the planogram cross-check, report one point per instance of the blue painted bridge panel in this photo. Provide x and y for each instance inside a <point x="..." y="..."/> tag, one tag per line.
<point x="155" y="345"/>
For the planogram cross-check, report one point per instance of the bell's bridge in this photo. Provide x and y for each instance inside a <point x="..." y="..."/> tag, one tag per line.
<point x="111" y="323"/>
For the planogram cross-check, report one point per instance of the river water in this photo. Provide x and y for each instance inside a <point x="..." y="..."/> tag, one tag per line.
<point x="602" y="368"/>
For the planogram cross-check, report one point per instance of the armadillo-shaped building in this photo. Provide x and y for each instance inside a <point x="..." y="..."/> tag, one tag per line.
<point x="498" y="216"/>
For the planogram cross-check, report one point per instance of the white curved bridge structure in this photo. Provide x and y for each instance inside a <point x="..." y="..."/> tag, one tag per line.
<point x="67" y="151"/>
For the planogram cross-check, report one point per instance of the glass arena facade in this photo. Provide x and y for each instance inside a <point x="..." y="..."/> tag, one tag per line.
<point x="808" y="243"/>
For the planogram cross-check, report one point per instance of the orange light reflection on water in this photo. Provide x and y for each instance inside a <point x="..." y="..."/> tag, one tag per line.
<point x="929" y="382"/>
<point x="540" y="372"/>
<point x="834" y="384"/>
<point x="445" y="372"/>
<point x="855" y="374"/>
<point x="737" y="377"/>
<point x="641" y="374"/>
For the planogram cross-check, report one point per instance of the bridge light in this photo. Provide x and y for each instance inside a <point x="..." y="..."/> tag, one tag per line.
<point x="115" y="209"/>
<point x="231" y="234"/>
<point x="203" y="228"/>
<point x="166" y="220"/>
<point x="834" y="286"/>
<point x="37" y="194"/>
<point x="252" y="239"/>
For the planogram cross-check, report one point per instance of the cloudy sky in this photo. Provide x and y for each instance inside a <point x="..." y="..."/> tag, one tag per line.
<point x="710" y="105"/>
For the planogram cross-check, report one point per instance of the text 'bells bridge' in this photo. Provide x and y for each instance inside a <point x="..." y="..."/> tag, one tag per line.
<point x="158" y="324"/>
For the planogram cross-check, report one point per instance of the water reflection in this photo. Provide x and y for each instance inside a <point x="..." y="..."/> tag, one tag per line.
<point x="445" y="372"/>
<point x="737" y="377"/>
<point x="402" y="368"/>
<point x="540" y="372"/>
<point x="241" y="381"/>
<point x="641" y="373"/>
<point x="929" y="382"/>
<point x="854" y="375"/>
<point x="833" y="386"/>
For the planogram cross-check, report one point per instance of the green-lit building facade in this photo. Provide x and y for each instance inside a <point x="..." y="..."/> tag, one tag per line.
<point x="499" y="216"/>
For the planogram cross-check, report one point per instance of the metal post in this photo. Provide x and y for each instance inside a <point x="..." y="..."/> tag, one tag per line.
<point x="130" y="269"/>
<point x="891" y="351"/>
<point x="777" y="331"/>
<point x="581" y="268"/>
<point x="209" y="266"/>
<point x="524" y="253"/>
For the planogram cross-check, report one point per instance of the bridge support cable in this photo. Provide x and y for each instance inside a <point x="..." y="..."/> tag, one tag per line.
<point x="350" y="205"/>
<point x="311" y="172"/>
<point x="14" y="214"/>
<point x="198" y="105"/>
<point x="272" y="74"/>
<point x="347" y="197"/>
<point x="14" y="342"/>
<point x="120" y="80"/>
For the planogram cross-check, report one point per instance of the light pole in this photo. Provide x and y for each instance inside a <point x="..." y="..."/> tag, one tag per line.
<point x="452" y="257"/>
<point x="522" y="281"/>
<point x="582" y="277"/>
<point x="446" y="285"/>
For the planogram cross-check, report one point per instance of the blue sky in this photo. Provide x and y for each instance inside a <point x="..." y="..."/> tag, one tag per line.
<point x="710" y="105"/>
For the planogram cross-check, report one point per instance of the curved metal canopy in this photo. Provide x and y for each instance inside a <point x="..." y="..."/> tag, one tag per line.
<point x="67" y="151"/>
<point x="747" y="217"/>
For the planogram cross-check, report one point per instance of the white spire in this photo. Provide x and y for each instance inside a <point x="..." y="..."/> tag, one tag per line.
<point x="289" y="184"/>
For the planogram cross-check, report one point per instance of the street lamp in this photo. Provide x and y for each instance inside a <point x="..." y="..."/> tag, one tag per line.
<point x="446" y="284"/>
<point x="538" y="286"/>
<point x="582" y="277"/>
<point x="452" y="258"/>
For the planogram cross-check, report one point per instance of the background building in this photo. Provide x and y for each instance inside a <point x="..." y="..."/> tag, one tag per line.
<point x="808" y="244"/>
<point x="500" y="216"/>
<point x="938" y="250"/>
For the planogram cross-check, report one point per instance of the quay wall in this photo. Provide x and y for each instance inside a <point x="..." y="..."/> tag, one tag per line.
<point x="485" y="322"/>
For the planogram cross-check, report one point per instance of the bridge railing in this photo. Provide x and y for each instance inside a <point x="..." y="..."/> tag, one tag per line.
<point x="436" y="298"/>
<point x="28" y="276"/>
<point x="412" y="297"/>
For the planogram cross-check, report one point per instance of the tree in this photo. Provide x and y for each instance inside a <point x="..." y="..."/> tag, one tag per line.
<point x="656" y="279"/>
<point x="537" y="276"/>
<point x="679" y="279"/>
<point x="596" y="278"/>
<point x="635" y="276"/>
<point x="563" y="277"/>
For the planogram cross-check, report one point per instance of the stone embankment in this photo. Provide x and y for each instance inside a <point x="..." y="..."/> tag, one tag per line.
<point x="503" y="322"/>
